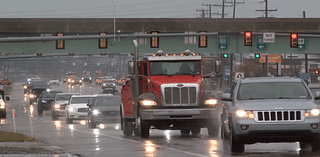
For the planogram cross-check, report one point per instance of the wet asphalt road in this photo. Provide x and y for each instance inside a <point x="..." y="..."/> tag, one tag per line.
<point x="109" y="141"/>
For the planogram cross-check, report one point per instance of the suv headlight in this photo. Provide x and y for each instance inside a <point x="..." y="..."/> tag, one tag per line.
<point x="95" y="112"/>
<point x="56" y="106"/>
<point x="32" y="96"/>
<point x="148" y="102"/>
<point x="72" y="109"/>
<point x="211" y="102"/>
<point x="313" y="112"/>
<point x="244" y="114"/>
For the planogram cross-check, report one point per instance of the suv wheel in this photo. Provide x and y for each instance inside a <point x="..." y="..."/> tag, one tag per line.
<point x="196" y="132"/>
<point x="235" y="145"/>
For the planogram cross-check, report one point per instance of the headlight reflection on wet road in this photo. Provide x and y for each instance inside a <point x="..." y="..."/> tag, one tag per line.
<point x="213" y="147"/>
<point x="149" y="148"/>
<point x="57" y="124"/>
<point x="167" y="134"/>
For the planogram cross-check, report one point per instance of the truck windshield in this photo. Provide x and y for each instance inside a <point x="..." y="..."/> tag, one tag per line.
<point x="273" y="90"/>
<point x="175" y="68"/>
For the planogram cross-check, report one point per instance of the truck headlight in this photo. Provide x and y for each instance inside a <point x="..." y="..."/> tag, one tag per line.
<point x="72" y="109"/>
<point x="32" y="96"/>
<point x="56" y="106"/>
<point x="313" y="112"/>
<point x="244" y="114"/>
<point x="95" y="112"/>
<point x="211" y="102"/>
<point x="148" y="102"/>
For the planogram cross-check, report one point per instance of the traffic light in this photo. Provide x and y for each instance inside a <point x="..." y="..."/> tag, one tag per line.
<point x="225" y="55"/>
<point x="257" y="55"/>
<point x="294" y="40"/>
<point x="248" y="38"/>
<point x="67" y="73"/>
<point x="316" y="72"/>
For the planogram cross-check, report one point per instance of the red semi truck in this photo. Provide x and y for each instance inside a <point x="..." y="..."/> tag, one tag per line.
<point x="166" y="91"/>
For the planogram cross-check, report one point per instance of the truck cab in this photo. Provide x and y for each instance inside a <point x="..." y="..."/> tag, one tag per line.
<point x="171" y="96"/>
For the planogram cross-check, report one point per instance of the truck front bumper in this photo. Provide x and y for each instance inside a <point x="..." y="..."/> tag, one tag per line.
<point x="171" y="114"/>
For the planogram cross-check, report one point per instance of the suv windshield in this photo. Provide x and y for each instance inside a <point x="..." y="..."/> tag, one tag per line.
<point x="108" y="101"/>
<point x="273" y="90"/>
<point x="175" y="68"/>
<point x="63" y="97"/>
<point x="50" y="94"/>
<point x="85" y="100"/>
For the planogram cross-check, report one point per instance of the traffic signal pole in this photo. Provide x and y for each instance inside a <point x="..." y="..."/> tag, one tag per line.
<point x="266" y="66"/>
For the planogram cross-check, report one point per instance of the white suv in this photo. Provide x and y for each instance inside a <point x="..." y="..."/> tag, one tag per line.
<point x="77" y="108"/>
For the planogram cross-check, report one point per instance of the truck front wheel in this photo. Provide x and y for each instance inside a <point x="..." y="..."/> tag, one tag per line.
<point x="127" y="127"/>
<point x="213" y="129"/>
<point x="144" y="129"/>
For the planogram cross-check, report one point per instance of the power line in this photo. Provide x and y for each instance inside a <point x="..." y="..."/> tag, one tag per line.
<point x="266" y="11"/>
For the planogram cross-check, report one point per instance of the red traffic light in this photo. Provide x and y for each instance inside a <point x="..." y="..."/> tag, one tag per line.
<point x="294" y="40"/>
<point x="316" y="72"/>
<point x="248" y="38"/>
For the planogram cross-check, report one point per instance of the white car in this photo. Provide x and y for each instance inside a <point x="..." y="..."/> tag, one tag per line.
<point x="77" y="108"/>
<point x="54" y="82"/>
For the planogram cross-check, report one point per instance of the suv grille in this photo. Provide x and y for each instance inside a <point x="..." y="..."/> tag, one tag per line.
<point x="276" y="116"/>
<point x="83" y="109"/>
<point x="186" y="95"/>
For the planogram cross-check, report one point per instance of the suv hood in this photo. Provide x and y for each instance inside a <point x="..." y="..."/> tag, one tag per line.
<point x="276" y="104"/>
<point x="79" y="105"/>
<point x="62" y="102"/>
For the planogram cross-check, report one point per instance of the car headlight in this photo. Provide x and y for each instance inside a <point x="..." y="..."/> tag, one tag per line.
<point x="32" y="96"/>
<point x="43" y="101"/>
<point x="2" y="105"/>
<point x="244" y="114"/>
<point x="69" y="80"/>
<point x="313" y="112"/>
<point x="25" y="87"/>
<point x="56" y="106"/>
<point x="211" y="102"/>
<point x="148" y="102"/>
<point x="89" y="78"/>
<point x="95" y="112"/>
<point x="72" y="81"/>
<point x="72" y="109"/>
<point x="80" y="80"/>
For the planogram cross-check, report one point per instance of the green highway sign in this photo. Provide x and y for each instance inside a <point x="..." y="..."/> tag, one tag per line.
<point x="302" y="44"/>
<point x="260" y="44"/>
<point x="222" y="42"/>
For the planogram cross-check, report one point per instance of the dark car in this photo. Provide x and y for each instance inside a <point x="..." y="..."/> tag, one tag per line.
<point x="87" y="78"/>
<point x="59" y="104"/>
<point x="35" y="94"/>
<point x="45" y="99"/>
<point x="34" y="83"/>
<point x="105" y="109"/>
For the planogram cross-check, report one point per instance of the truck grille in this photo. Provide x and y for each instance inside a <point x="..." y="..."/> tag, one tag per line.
<point x="278" y="116"/>
<point x="185" y="95"/>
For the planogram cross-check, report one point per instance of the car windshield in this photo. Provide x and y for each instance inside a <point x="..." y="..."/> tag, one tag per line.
<point x="86" y="100"/>
<point x="63" y="97"/>
<point x="273" y="90"/>
<point x="175" y="68"/>
<point x="108" y="101"/>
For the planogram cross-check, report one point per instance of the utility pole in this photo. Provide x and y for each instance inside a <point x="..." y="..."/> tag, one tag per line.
<point x="266" y="11"/>
<point x="223" y="6"/>
<point x="234" y="6"/>
<point x="202" y="12"/>
<point x="208" y="5"/>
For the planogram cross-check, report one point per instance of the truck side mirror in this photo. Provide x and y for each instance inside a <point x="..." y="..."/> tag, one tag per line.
<point x="218" y="66"/>
<point x="131" y="67"/>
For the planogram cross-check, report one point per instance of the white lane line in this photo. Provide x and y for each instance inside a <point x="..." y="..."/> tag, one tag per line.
<point x="119" y="138"/>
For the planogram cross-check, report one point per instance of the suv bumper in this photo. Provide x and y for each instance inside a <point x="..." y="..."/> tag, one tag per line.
<point x="277" y="131"/>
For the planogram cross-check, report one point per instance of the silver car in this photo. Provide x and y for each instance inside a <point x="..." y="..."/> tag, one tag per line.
<point x="270" y="110"/>
<point x="59" y="104"/>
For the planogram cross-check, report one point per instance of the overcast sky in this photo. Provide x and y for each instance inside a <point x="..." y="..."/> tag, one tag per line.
<point x="152" y="8"/>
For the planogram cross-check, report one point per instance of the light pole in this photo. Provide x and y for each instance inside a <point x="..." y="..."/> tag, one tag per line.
<point x="114" y="21"/>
